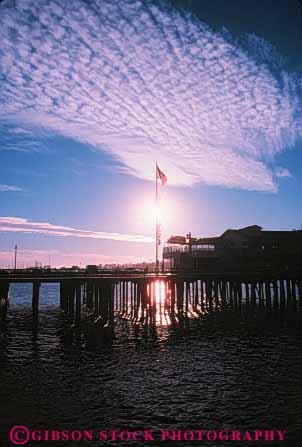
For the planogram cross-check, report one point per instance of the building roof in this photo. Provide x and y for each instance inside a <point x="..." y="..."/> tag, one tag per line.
<point x="250" y="231"/>
<point x="207" y="240"/>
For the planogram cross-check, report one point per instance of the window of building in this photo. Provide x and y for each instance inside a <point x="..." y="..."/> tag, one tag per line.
<point x="206" y="247"/>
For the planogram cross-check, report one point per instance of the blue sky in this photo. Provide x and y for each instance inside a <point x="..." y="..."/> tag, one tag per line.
<point x="212" y="93"/>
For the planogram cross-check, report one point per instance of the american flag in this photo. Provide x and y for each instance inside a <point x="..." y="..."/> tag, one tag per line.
<point x="161" y="176"/>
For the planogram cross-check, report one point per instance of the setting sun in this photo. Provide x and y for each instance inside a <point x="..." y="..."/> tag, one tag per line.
<point x="163" y="213"/>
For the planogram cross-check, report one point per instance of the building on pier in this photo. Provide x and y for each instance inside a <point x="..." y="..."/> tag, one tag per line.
<point x="250" y="248"/>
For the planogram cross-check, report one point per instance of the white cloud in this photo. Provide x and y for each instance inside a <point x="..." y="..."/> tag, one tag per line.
<point x="147" y="82"/>
<point x="21" y="225"/>
<point x="282" y="172"/>
<point x="8" y="188"/>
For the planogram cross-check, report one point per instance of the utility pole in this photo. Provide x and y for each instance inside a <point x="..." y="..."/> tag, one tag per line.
<point x="16" y="253"/>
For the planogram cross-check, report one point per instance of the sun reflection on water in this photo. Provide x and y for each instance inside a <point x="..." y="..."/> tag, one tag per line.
<point x="159" y="301"/>
<point x="158" y="293"/>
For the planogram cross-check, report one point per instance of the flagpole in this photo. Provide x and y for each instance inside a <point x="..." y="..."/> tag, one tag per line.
<point x="156" y="223"/>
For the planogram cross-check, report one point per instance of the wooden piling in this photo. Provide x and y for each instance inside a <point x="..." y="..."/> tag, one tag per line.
<point x="299" y="285"/>
<point x="223" y="292"/>
<point x="216" y="294"/>
<point x="172" y="300"/>
<point x="261" y="294"/>
<point x="202" y="295"/>
<point x="253" y="294"/>
<point x="89" y="294"/>
<point x="78" y="298"/>
<point x="239" y="294"/>
<point x="62" y="297"/>
<point x="276" y="295"/>
<point x="288" y="293"/>
<point x="268" y="294"/>
<point x="247" y="293"/>
<point x="282" y="294"/>
<point x="187" y="294"/>
<point x="36" y="298"/>
<point x="294" y="294"/>
<point x="180" y="296"/>
<point x="111" y="291"/>
<point x="4" y="299"/>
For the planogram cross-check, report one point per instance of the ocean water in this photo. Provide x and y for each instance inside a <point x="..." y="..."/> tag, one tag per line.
<point x="227" y="370"/>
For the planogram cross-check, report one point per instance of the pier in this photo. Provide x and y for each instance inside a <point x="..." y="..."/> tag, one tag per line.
<point x="150" y="298"/>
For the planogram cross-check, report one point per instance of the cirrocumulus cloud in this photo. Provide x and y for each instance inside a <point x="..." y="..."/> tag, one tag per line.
<point x="144" y="81"/>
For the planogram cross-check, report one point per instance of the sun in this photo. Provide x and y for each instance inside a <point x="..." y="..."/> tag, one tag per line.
<point x="152" y="213"/>
<point x="147" y="215"/>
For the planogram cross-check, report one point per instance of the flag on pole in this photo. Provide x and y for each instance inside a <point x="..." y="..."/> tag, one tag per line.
<point x="161" y="176"/>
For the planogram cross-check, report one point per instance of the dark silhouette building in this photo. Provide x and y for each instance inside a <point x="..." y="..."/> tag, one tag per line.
<point x="249" y="248"/>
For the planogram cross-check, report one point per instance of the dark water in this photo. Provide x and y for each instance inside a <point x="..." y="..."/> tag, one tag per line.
<point x="226" y="371"/>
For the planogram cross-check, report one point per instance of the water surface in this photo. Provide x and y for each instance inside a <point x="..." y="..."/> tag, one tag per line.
<point x="226" y="370"/>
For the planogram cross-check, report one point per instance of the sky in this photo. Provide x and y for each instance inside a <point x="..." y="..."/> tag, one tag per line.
<point x="92" y="93"/>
